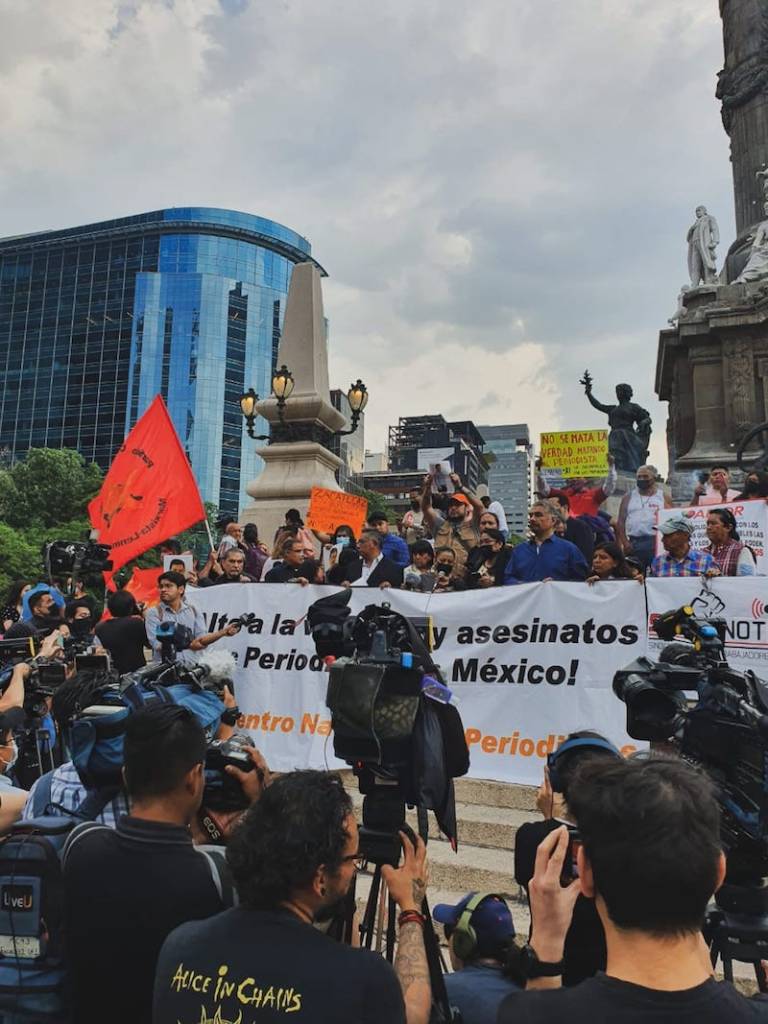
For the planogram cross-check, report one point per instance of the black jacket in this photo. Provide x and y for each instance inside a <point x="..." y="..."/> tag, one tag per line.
<point x="385" y="572"/>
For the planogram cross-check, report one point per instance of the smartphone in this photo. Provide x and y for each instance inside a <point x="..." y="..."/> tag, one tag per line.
<point x="570" y="865"/>
<point x="703" y="476"/>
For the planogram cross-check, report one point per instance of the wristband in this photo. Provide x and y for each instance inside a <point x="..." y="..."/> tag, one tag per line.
<point x="230" y="715"/>
<point x="411" y="916"/>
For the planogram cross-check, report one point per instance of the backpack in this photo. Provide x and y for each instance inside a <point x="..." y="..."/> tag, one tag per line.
<point x="33" y="969"/>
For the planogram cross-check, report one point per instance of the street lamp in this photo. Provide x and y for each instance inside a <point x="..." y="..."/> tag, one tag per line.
<point x="282" y="389"/>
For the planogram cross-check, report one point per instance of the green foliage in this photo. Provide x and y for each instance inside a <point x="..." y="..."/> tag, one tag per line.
<point x="19" y="560"/>
<point x="47" y="488"/>
<point x="377" y="503"/>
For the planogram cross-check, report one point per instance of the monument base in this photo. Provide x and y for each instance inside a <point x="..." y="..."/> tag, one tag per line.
<point x="290" y="472"/>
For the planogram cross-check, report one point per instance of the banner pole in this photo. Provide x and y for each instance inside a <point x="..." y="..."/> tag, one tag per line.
<point x="210" y="535"/>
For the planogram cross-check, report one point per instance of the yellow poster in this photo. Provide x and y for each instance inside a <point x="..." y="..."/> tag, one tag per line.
<point x="575" y="452"/>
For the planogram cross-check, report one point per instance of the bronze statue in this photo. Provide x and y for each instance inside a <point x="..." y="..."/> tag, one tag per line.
<point x="627" y="443"/>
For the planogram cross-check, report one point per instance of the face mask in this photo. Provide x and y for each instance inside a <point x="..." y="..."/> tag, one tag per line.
<point x="486" y="551"/>
<point x="415" y="505"/>
<point x="342" y="541"/>
<point x="644" y="485"/>
<point x="13" y="758"/>
<point x="80" y="627"/>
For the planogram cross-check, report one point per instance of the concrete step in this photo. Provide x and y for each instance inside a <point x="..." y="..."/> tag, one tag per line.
<point x="477" y="791"/>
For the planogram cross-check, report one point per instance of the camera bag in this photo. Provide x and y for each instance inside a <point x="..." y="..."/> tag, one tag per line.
<point x="95" y="743"/>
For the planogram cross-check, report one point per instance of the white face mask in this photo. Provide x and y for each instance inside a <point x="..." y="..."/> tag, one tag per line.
<point x="14" y="756"/>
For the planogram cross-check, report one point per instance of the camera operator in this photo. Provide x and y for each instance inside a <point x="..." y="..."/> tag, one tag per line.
<point x="127" y="888"/>
<point x="585" y="941"/>
<point x="651" y="859"/>
<point x="43" y="612"/>
<point x="175" y="608"/>
<point x="50" y="650"/>
<point x="293" y="858"/>
<point x="124" y="635"/>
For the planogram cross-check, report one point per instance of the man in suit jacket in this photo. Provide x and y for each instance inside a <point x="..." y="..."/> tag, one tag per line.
<point x="372" y="569"/>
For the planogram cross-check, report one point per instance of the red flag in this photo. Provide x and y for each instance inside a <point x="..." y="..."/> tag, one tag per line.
<point x="142" y="584"/>
<point x="149" y="492"/>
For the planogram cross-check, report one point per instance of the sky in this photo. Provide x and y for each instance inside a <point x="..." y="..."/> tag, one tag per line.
<point x="500" y="191"/>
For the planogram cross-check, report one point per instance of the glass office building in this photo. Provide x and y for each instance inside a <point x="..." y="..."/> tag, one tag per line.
<point x="509" y="474"/>
<point x="97" y="320"/>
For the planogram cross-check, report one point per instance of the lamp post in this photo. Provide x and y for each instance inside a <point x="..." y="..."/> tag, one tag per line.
<point x="282" y="388"/>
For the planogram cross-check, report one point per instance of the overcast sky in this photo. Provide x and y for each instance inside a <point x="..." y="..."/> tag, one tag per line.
<point x="500" y="191"/>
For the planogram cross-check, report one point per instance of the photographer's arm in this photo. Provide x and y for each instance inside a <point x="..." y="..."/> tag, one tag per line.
<point x="14" y="692"/>
<point x="407" y="886"/>
<point x="200" y="642"/>
<point x="551" y="904"/>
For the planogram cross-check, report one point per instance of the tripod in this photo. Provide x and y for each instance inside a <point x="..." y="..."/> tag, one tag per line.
<point x="380" y="907"/>
<point x="738" y="929"/>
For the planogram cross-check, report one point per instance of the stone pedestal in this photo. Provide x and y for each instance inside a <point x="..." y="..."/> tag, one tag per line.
<point x="297" y="459"/>
<point x="711" y="368"/>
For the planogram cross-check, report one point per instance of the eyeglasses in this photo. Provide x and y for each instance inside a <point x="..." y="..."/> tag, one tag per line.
<point x="357" y="859"/>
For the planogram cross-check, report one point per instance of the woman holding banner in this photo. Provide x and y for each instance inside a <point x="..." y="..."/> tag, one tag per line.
<point x="733" y="558"/>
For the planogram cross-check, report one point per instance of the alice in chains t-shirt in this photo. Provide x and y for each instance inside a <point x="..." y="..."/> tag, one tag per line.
<point x="254" y="967"/>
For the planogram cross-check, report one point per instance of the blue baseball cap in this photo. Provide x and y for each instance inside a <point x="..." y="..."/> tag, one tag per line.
<point x="492" y="920"/>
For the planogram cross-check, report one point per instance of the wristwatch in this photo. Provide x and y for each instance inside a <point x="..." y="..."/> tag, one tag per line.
<point x="532" y="967"/>
<point x="231" y="715"/>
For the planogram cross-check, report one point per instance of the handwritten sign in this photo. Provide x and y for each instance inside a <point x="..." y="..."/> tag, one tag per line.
<point x="575" y="452"/>
<point x="751" y="523"/>
<point x="330" y="509"/>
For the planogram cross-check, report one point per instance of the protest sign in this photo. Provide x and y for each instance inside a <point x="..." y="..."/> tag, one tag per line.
<point x="751" y="522"/>
<point x="331" y="509"/>
<point x="528" y="664"/>
<point x="576" y="453"/>
<point x="741" y="602"/>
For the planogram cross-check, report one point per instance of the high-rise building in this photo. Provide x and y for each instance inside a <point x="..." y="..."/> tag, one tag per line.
<point x="96" y="320"/>
<point x="509" y="474"/>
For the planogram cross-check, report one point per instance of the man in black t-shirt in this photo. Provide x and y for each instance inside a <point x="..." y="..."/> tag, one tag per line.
<point x="293" y="858"/>
<point x="126" y="888"/>
<point x="124" y="635"/>
<point x="651" y="859"/>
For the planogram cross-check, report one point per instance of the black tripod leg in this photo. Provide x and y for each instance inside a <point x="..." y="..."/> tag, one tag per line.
<point x="369" y="917"/>
<point x="435" y="963"/>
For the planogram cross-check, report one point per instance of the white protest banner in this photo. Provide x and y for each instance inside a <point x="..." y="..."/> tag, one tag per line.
<point x="742" y="602"/>
<point x="528" y="665"/>
<point x="751" y="521"/>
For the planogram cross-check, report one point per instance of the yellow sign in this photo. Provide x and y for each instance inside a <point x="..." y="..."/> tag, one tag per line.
<point x="575" y="452"/>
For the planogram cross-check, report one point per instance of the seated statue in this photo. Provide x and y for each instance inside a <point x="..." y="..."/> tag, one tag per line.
<point x="630" y="427"/>
<point x="756" y="268"/>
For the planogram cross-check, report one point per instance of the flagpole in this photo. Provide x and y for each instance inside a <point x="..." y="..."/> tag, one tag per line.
<point x="210" y="535"/>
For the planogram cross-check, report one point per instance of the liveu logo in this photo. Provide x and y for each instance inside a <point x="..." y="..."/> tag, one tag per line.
<point x="16" y="897"/>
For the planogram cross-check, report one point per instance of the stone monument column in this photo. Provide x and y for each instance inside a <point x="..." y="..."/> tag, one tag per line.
<point x="743" y="91"/>
<point x="297" y="458"/>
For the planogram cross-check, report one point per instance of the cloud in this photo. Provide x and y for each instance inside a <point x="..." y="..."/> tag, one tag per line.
<point x="500" y="192"/>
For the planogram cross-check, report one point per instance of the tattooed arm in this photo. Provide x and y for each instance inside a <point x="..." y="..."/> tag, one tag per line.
<point x="408" y="886"/>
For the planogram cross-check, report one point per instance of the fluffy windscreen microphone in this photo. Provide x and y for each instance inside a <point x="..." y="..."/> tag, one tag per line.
<point x="220" y="665"/>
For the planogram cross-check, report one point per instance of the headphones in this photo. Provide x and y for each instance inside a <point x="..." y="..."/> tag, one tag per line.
<point x="464" y="937"/>
<point x="593" y="742"/>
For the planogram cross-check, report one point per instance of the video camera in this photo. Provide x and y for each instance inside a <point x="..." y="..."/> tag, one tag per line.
<point x="63" y="557"/>
<point x="724" y="731"/>
<point x="392" y="718"/>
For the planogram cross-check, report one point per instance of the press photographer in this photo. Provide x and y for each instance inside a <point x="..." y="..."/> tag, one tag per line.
<point x="127" y="888"/>
<point x="174" y="608"/>
<point x="293" y="859"/>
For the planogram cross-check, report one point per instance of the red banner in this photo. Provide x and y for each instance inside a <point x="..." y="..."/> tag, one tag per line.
<point x="149" y="493"/>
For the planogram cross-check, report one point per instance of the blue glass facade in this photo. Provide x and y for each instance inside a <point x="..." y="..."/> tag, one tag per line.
<point x="97" y="320"/>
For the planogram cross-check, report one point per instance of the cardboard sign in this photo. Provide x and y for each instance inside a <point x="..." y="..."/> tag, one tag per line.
<point x="751" y="521"/>
<point x="575" y="452"/>
<point x="331" y="509"/>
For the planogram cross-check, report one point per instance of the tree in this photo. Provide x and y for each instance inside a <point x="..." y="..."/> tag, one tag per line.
<point x="19" y="559"/>
<point x="48" y="487"/>
<point x="377" y="503"/>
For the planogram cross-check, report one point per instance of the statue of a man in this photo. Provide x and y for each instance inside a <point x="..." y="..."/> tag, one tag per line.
<point x="703" y="237"/>
<point x="630" y="427"/>
<point x="756" y="268"/>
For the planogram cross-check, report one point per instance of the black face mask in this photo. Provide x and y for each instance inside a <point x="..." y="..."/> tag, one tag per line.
<point x="644" y="485"/>
<point x="486" y="551"/>
<point x="415" y="505"/>
<point x="81" y="627"/>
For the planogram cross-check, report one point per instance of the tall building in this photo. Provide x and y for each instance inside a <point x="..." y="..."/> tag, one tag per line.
<point x="96" y="320"/>
<point x="509" y="472"/>
<point x="350" y="448"/>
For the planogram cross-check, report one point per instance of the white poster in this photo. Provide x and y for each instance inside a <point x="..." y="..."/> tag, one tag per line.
<point x="741" y="602"/>
<point x="527" y="665"/>
<point x="751" y="519"/>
